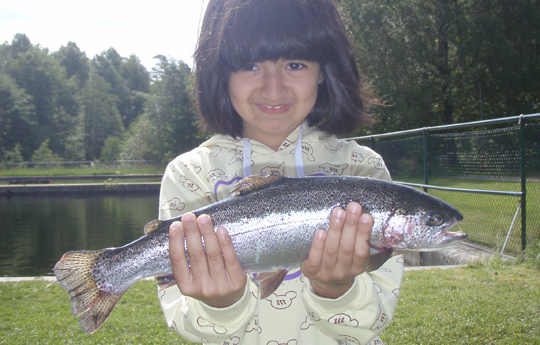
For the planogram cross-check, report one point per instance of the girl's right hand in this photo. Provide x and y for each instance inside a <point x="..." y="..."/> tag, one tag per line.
<point x="215" y="277"/>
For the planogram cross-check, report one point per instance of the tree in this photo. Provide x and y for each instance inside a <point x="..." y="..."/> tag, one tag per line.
<point x="112" y="148"/>
<point x="101" y="118"/>
<point x="17" y="116"/>
<point x="45" y="154"/>
<point x="428" y="58"/>
<point x="169" y="115"/>
<point x="74" y="61"/>
<point x="53" y="97"/>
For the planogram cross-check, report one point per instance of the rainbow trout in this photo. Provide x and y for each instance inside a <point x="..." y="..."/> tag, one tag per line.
<point x="271" y="221"/>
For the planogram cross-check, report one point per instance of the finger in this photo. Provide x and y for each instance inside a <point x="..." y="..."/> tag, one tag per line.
<point x="348" y="234"/>
<point x="197" y="257"/>
<point x="312" y="264"/>
<point x="212" y="247"/>
<point x="333" y="238"/>
<point x="177" y="253"/>
<point x="232" y="265"/>
<point x="362" y="244"/>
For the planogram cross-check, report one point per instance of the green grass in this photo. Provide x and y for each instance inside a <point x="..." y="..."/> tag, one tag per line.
<point x="493" y="303"/>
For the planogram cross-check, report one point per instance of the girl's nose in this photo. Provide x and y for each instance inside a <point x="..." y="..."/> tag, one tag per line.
<point x="273" y="87"/>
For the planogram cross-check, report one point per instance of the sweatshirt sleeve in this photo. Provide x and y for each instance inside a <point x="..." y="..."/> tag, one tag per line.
<point x="184" y="189"/>
<point x="362" y="312"/>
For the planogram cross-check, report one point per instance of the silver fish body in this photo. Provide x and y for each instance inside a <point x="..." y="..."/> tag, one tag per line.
<point x="271" y="221"/>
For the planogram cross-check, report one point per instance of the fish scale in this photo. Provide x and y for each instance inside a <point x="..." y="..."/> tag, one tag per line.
<point x="271" y="221"/>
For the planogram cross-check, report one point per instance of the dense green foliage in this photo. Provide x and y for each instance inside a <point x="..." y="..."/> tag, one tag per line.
<point x="432" y="62"/>
<point x="439" y="62"/>
<point x="63" y="106"/>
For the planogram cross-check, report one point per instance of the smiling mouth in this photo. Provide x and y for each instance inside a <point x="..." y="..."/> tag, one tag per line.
<point x="274" y="108"/>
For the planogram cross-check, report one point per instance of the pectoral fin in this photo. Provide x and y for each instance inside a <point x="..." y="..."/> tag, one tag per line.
<point x="152" y="226"/>
<point x="269" y="282"/>
<point x="375" y="261"/>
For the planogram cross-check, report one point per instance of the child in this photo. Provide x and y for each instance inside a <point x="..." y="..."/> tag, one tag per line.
<point x="276" y="80"/>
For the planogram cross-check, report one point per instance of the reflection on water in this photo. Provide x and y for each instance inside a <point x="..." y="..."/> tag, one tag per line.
<point x="35" y="231"/>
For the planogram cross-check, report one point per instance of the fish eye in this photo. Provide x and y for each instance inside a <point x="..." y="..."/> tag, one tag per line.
<point x="434" y="219"/>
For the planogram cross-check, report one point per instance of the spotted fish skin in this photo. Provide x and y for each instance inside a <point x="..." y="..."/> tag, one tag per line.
<point x="271" y="221"/>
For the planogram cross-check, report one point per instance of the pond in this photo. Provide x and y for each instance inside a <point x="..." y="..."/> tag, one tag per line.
<point x="35" y="231"/>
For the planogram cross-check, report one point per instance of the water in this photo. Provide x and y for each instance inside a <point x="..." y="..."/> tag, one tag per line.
<point x="35" y="231"/>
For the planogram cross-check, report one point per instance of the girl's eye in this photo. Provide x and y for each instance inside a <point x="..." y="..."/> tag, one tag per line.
<point x="296" y="66"/>
<point x="249" y="68"/>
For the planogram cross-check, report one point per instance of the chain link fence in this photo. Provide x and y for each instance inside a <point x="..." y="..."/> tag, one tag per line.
<point x="489" y="170"/>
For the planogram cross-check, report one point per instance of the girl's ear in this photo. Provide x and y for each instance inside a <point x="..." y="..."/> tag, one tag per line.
<point x="321" y="77"/>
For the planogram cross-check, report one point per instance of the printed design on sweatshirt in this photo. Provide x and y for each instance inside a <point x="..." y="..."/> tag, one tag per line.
<point x="334" y="169"/>
<point x="333" y="149"/>
<point x="279" y="170"/>
<point x="306" y="324"/>
<point x="377" y="287"/>
<point x="173" y="205"/>
<point x="400" y="260"/>
<point x="343" y="319"/>
<point x="307" y="150"/>
<point x="214" y="175"/>
<point x="376" y="342"/>
<point x="234" y="340"/>
<point x="253" y="325"/>
<point x="286" y="144"/>
<point x="192" y="167"/>
<point x="238" y="155"/>
<point x="224" y="183"/>
<point x="190" y="185"/>
<point x="381" y="320"/>
<point x="347" y="340"/>
<point x="313" y="316"/>
<point x="216" y="328"/>
<point x="377" y="162"/>
<point x="357" y="157"/>
<point x="161" y="294"/>
<point x="396" y="292"/>
<point x="214" y="153"/>
<point x="290" y="342"/>
<point x="173" y="326"/>
<point x="282" y="301"/>
<point x="172" y="167"/>
<point x="184" y="307"/>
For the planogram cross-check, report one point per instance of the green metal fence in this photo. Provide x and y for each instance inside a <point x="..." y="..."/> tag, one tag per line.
<point x="489" y="170"/>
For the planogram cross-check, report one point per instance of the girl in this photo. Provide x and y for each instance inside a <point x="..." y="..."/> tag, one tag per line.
<point x="276" y="80"/>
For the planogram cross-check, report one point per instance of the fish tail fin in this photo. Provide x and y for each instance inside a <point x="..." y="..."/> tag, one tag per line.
<point x="73" y="273"/>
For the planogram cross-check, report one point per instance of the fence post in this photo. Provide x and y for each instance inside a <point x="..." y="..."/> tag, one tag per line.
<point x="523" y="168"/>
<point x="425" y="143"/>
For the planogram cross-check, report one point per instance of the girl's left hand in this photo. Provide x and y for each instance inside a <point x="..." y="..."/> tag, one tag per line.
<point x="336" y="257"/>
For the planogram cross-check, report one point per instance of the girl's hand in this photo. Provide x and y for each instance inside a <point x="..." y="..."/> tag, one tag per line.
<point x="215" y="277"/>
<point x="336" y="257"/>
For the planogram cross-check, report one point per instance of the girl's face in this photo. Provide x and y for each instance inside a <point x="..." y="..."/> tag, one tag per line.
<point x="273" y="98"/>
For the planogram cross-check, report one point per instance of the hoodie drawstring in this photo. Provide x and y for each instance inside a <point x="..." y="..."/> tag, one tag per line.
<point x="247" y="158"/>
<point x="298" y="159"/>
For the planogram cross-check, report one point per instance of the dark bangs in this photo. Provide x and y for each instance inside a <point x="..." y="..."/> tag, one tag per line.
<point x="277" y="29"/>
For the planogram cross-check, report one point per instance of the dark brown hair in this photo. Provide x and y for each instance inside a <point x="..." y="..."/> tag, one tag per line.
<point x="236" y="33"/>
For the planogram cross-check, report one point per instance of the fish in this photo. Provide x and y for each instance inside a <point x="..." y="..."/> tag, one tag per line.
<point x="271" y="221"/>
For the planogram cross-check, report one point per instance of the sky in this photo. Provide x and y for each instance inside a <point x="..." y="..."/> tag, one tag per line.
<point x="143" y="28"/>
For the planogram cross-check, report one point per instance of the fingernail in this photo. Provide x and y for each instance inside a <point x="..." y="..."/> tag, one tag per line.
<point x="188" y="217"/>
<point x="365" y="218"/>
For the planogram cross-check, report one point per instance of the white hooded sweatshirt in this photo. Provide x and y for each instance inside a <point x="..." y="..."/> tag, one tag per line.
<point x="293" y="314"/>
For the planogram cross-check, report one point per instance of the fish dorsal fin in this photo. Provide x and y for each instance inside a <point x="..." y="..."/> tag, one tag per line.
<point x="253" y="183"/>
<point x="152" y="226"/>
<point x="375" y="261"/>
<point x="269" y="282"/>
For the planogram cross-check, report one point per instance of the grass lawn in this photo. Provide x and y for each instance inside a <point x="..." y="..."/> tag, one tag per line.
<point x="494" y="303"/>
